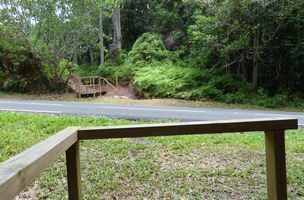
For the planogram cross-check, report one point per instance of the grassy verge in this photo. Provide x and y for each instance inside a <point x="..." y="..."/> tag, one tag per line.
<point x="228" y="166"/>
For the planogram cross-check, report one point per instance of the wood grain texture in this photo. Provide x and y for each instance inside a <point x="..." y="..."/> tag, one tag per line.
<point x="73" y="172"/>
<point x="276" y="165"/>
<point x="205" y="127"/>
<point x="19" y="171"/>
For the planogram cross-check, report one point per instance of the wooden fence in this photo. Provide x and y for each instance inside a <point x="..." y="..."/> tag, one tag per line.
<point x="19" y="171"/>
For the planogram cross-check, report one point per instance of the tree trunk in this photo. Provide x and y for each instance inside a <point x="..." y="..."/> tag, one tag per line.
<point x="75" y="57"/>
<point x="255" y="72"/>
<point x="91" y="53"/>
<point x="255" y="68"/>
<point x="117" y="28"/>
<point x="101" y="37"/>
<point x="117" y="36"/>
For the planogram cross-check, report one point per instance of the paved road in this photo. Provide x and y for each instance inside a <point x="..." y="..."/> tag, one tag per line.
<point x="140" y="112"/>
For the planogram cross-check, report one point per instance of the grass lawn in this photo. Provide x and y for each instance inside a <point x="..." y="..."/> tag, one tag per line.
<point x="230" y="166"/>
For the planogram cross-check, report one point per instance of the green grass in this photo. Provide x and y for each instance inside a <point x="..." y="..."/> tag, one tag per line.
<point x="230" y="166"/>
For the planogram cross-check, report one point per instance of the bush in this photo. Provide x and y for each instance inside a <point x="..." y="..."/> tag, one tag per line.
<point x="207" y="91"/>
<point x="178" y="81"/>
<point x="84" y="70"/>
<point x="147" y="49"/>
<point x="21" y="68"/>
<point x="58" y="75"/>
<point x="227" y="83"/>
<point x="166" y="79"/>
<point x="124" y="73"/>
<point x="221" y="87"/>
<point x="202" y="37"/>
<point x="279" y="100"/>
<point x="234" y="98"/>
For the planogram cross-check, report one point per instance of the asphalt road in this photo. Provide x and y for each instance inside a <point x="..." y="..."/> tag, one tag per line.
<point x="141" y="112"/>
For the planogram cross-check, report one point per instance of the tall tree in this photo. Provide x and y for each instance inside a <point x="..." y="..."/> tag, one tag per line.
<point x="116" y="20"/>
<point x="117" y="35"/>
<point x="101" y="33"/>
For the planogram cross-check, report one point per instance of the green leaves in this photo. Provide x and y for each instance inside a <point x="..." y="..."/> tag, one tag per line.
<point x="165" y="79"/>
<point x="147" y="49"/>
<point x="21" y="67"/>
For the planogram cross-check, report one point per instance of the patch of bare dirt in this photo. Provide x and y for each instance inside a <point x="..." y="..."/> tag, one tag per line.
<point x="30" y="193"/>
<point x="122" y="92"/>
<point x="232" y="158"/>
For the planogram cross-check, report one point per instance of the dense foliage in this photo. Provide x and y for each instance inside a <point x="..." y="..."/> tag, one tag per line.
<point x="25" y="68"/>
<point x="166" y="79"/>
<point x="147" y="49"/>
<point x="237" y="51"/>
<point x="21" y="69"/>
<point x="260" y="41"/>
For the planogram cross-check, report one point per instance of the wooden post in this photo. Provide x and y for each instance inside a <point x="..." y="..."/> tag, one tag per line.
<point x="73" y="172"/>
<point x="276" y="165"/>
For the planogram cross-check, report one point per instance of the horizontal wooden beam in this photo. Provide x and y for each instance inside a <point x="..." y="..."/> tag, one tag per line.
<point x="204" y="127"/>
<point x="19" y="171"/>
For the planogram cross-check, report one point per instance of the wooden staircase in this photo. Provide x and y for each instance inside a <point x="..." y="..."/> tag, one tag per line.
<point x="90" y="86"/>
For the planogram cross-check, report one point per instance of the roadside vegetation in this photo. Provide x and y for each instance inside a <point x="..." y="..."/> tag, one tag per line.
<point x="230" y="166"/>
<point x="234" y="52"/>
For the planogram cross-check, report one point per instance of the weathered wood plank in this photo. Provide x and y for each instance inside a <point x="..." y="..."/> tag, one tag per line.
<point x="205" y="127"/>
<point x="19" y="171"/>
<point x="276" y="165"/>
<point x="73" y="172"/>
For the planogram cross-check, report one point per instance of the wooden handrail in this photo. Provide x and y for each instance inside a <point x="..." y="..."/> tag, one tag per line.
<point x="107" y="82"/>
<point x="187" y="128"/>
<point x="100" y="78"/>
<point x="21" y="170"/>
<point x="90" y="85"/>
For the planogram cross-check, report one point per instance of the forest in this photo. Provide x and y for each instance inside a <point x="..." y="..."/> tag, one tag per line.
<point x="232" y="51"/>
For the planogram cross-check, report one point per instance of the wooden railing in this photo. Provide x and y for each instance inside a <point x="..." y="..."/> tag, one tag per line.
<point x="21" y="170"/>
<point x="90" y="85"/>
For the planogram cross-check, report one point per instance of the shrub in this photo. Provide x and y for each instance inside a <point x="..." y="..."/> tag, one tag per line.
<point x="227" y="83"/>
<point x="166" y="79"/>
<point x="84" y="70"/>
<point x="21" y="67"/>
<point x="178" y="81"/>
<point x="203" y="39"/>
<point x="58" y="75"/>
<point x="207" y="91"/>
<point x="147" y="49"/>
<point x="123" y="73"/>
<point x="279" y="100"/>
<point x="233" y="98"/>
<point x="220" y="86"/>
